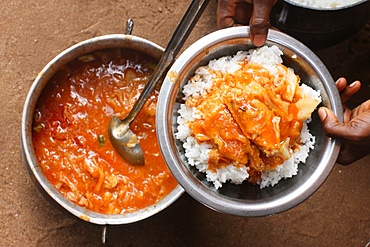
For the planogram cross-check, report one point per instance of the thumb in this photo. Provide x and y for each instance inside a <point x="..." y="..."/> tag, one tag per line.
<point x="259" y="22"/>
<point x="332" y="127"/>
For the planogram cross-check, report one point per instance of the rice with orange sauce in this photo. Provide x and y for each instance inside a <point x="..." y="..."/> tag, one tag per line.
<point x="197" y="153"/>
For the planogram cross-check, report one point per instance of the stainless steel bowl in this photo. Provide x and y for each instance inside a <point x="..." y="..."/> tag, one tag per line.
<point x="319" y="28"/>
<point x="246" y="199"/>
<point x="35" y="172"/>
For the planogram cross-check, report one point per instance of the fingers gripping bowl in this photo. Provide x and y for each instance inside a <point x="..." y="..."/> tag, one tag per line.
<point x="246" y="199"/>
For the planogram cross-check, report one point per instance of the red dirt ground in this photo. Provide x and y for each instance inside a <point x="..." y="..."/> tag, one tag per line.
<point x="33" y="32"/>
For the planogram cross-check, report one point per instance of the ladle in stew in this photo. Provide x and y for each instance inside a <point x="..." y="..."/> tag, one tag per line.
<point x="122" y="138"/>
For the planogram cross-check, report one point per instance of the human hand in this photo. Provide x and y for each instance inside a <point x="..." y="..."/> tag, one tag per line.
<point x="234" y="12"/>
<point x="354" y="132"/>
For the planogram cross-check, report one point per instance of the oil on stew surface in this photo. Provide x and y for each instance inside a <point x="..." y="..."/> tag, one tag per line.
<point x="70" y="133"/>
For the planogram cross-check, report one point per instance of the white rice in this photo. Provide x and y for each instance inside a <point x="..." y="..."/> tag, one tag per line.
<point x="325" y="4"/>
<point x="197" y="153"/>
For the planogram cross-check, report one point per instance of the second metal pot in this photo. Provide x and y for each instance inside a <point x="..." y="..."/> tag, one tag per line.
<point x="319" y="28"/>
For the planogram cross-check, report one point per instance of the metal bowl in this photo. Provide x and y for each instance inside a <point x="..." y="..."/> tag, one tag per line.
<point x="35" y="172"/>
<point x="319" y="28"/>
<point x="247" y="199"/>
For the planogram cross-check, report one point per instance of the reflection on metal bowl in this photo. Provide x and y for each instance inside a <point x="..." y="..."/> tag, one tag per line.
<point x="247" y="199"/>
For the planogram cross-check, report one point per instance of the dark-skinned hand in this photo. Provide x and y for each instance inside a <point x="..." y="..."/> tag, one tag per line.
<point x="354" y="132"/>
<point x="243" y="12"/>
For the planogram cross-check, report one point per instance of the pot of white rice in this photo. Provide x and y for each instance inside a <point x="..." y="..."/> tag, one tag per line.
<point x="320" y="23"/>
<point x="231" y="188"/>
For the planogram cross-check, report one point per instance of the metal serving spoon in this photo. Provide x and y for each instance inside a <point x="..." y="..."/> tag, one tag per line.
<point x="120" y="134"/>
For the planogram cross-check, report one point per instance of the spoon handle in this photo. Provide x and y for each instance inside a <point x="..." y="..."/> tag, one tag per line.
<point x="177" y="40"/>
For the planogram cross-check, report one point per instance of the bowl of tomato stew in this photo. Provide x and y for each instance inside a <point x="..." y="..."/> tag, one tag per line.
<point x="64" y="135"/>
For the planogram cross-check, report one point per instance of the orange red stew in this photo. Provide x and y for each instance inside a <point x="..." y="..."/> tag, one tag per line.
<point x="70" y="135"/>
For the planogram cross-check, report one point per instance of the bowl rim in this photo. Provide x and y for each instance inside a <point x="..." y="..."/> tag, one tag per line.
<point x="325" y="9"/>
<point x="34" y="170"/>
<point x="192" y="185"/>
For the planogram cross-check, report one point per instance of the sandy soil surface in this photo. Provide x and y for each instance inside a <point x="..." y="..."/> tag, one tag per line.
<point x="33" y="32"/>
